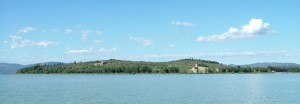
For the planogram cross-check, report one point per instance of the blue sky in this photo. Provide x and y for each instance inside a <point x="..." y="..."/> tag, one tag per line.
<point x="230" y="31"/>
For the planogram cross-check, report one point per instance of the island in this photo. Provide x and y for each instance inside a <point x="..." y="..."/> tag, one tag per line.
<point x="183" y="66"/>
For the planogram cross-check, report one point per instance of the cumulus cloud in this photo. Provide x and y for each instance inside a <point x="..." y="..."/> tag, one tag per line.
<point x="110" y="50"/>
<point x="142" y="40"/>
<point x="180" y="23"/>
<point x="82" y="51"/>
<point x="26" y="29"/>
<point x="255" y="27"/>
<point x="67" y="31"/>
<point x="19" y="42"/>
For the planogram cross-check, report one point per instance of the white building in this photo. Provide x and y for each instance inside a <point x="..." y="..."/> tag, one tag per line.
<point x="199" y="69"/>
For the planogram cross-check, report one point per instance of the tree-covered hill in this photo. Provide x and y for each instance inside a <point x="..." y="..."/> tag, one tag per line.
<point x="124" y="66"/>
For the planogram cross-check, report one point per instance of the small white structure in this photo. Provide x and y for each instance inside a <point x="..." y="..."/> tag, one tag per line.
<point x="100" y="63"/>
<point x="217" y="70"/>
<point x="200" y="69"/>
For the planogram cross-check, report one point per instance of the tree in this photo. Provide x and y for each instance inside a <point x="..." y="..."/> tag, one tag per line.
<point x="173" y="70"/>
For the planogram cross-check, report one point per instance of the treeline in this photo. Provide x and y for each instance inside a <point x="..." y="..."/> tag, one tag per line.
<point x="239" y="69"/>
<point x="132" y="67"/>
<point x="147" y="69"/>
<point x="103" y="69"/>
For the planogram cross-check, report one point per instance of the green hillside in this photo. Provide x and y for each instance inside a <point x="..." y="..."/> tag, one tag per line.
<point x="123" y="66"/>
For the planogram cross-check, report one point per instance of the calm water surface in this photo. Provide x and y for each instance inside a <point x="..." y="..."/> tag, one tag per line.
<point x="150" y="89"/>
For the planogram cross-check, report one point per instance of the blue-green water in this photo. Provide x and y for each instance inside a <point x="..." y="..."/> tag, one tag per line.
<point x="150" y="89"/>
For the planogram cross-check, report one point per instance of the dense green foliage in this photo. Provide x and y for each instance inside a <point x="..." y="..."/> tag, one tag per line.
<point x="121" y="66"/>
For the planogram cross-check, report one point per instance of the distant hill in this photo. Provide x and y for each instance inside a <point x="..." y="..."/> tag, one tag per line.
<point x="273" y="64"/>
<point x="8" y="68"/>
<point x="176" y="66"/>
<point x="124" y="66"/>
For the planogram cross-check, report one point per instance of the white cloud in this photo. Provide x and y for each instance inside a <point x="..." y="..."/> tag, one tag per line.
<point x="26" y="29"/>
<point x="67" y="31"/>
<point x="142" y="40"/>
<point x="82" y="51"/>
<point x="98" y="32"/>
<point x="255" y="27"/>
<point x="111" y="50"/>
<point x="84" y="34"/>
<point x="98" y="42"/>
<point x="180" y="23"/>
<point x="19" y="42"/>
<point x="92" y="50"/>
<point x="44" y="43"/>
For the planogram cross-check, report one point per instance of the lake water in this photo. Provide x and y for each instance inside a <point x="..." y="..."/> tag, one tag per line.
<point x="150" y="89"/>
